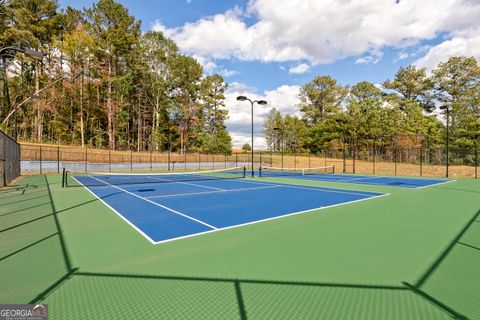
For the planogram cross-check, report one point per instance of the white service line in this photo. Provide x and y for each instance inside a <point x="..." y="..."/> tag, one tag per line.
<point x="157" y="204"/>
<point x="209" y="192"/>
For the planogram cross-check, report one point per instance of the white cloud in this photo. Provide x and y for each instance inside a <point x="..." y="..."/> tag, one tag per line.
<point x="322" y="31"/>
<point x="465" y="43"/>
<point x="283" y="98"/>
<point x="299" y="69"/>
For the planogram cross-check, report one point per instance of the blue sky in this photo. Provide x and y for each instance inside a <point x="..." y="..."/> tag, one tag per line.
<point x="269" y="48"/>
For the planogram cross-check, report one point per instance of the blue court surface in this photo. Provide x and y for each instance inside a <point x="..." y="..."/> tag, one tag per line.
<point x="412" y="183"/>
<point x="165" y="211"/>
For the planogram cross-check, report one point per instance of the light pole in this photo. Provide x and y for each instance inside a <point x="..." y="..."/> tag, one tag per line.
<point x="281" y="142"/>
<point x="30" y="52"/>
<point x="447" y="138"/>
<point x="30" y="96"/>
<point x="260" y="102"/>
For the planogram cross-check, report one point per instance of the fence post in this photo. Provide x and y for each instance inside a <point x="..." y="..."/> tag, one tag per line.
<point x="354" y="156"/>
<point x="225" y="161"/>
<point x="86" y="158"/>
<point x="131" y="160"/>
<point x="261" y="159"/>
<point x="58" y="159"/>
<point x="40" y="159"/>
<point x="309" y="160"/>
<point x="374" y="156"/>
<point x="395" y="158"/>
<point x="236" y="159"/>
<point x="421" y="161"/>
<point x="150" y="159"/>
<point x="476" y="159"/>
<point x="199" y="159"/>
<point x="344" y="159"/>
<point x="185" y="160"/>
<point x="109" y="160"/>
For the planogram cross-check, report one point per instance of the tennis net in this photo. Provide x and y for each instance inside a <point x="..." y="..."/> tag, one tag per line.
<point x="285" y="172"/>
<point x="72" y="179"/>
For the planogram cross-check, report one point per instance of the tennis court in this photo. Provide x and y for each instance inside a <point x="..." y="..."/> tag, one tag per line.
<point x="165" y="207"/>
<point x="285" y="249"/>
<point x="328" y="174"/>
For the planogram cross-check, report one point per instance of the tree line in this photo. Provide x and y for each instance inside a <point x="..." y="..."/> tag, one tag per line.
<point x="409" y="111"/>
<point x="104" y="83"/>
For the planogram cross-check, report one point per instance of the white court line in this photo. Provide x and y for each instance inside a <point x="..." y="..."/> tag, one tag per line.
<point x="324" y="189"/>
<point x="189" y="184"/>
<point x="157" y="204"/>
<point x="267" y="219"/>
<point x="352" y="181"/>
<point x="209" y="192"/>
<point x="117" y="213"/>
<point x="368" y="197"/>
<point x="435" y="184"/>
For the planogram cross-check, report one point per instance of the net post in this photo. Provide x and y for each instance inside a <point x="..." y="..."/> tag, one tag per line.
<point x="63" y="178"/>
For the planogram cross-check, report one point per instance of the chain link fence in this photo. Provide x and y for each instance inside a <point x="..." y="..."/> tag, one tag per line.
<point x="9" y="159"/>
<point x="371" y="158"/>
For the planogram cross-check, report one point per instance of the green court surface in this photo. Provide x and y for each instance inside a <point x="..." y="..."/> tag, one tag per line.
<point x="414" y="254"/>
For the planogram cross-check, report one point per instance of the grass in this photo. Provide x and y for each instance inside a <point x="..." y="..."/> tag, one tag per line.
<point x="411" y="255"/>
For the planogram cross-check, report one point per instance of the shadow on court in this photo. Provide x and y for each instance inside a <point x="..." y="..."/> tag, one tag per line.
<point x="36" y="267"/>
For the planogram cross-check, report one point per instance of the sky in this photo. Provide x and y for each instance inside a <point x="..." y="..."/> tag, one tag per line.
<point x="268" y="49"/>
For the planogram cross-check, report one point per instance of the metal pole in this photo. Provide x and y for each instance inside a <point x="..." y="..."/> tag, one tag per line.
<point x="169" y="152"/>
<point x="421" y="160"/>
<point x="283" y="148"/>
<point x="251" y="102"/>
<point x="109" y="160"/>
<point x="86" y="159"/>
<point x="447" y="137"/>
<point x="476" y="159"/>
<point x="15" y="118"/>
<point x="58" y="159"/>
<point x="40" y="159"/>
<point x="150" y="159"/>
<point x="354" y="156"/>
<point x="236" y="159"/>
<point x="395" y="158"/>
<point x="199" y="159"/>
<point x="131" y="160"/>
<point x="185" y="160"/>
<point x="374" y="156"/>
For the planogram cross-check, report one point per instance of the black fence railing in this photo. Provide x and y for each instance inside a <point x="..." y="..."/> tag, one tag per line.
<point x="372" y="159"/>
<point x="9" y="159"/>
